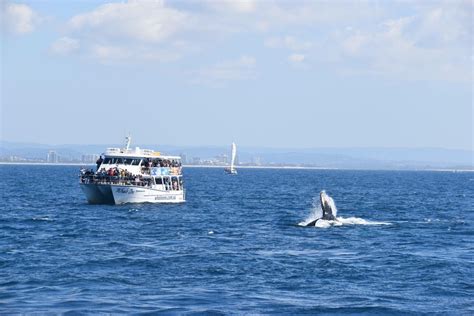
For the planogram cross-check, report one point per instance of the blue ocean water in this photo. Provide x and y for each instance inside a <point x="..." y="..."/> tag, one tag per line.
<point x="235" y="246"/>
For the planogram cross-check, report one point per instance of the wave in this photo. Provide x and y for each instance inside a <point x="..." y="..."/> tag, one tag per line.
<point x="43" y="218"/>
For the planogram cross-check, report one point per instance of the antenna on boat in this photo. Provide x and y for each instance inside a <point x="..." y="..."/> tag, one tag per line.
<point x="128" y="139"/>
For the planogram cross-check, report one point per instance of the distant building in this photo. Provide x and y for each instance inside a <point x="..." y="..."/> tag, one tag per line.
<point x="183" y="159"/>
<point x="90" y="158"/>
<point x="196" y="160"/>
<point x="13" y="159"/>
<point x="52" y="157"/>
<point x="221" y="159"/>
<point x="257" y="161"/>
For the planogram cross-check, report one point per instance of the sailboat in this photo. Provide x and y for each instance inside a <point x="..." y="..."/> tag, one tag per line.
<point x="231" y="169"/>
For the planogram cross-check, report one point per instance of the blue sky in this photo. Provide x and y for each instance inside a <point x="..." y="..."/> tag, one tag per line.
<point x="261" y="73"/>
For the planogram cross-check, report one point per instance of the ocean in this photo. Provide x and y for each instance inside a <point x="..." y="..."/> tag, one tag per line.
<point x="404" y="245"/>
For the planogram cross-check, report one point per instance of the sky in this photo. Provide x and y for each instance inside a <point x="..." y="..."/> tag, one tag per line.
<point x="283" y="74"/>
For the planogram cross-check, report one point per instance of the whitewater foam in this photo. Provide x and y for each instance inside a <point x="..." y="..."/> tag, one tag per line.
<point x="317" y="213"/>
<point x="43" y="218"/>
<point x="341" y="221"/>
<point x="359" y="221"/>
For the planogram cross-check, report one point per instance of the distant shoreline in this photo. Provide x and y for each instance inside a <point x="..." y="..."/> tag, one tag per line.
<point x="328" y="168"/>
<point x="242" y="167"/>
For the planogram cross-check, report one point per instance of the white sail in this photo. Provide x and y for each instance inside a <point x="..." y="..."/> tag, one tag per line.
<point x="234" y="153"/>
<point x="231" y="169"/>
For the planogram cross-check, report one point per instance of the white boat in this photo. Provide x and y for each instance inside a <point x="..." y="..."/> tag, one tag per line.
<point x="231" y="169"/>
<point x="137" y="175"/>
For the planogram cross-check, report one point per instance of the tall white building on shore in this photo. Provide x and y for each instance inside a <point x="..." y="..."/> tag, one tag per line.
<point x="52" y="157"/>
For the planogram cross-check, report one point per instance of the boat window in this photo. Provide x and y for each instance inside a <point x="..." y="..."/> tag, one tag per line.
<point x="119" y="161"/>
<point x="107" y="160"/>
<point x="159" y="180"/>
<point x="136" y="162"/>
<point x="127" y="161"/>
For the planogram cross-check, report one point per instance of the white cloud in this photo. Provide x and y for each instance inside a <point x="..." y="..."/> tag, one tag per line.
<point x="398" y="48"/>
<point x="296" y="58"/>
<point x="243" y="68"/>
<point x="314" y="13"/>
<point x="108" y="53"/>
<point x="131" y="31"/>
<point x="65" y="45"/>
<point x="140" y="20"/>
<point x="288" y="42"/>
<point x="353" y="44"/>
<point x="448" y="23"/>
<point x="113" y="54"/>
<point x="395" y="27"/>
<point x="19" y="18"/>
<point x="247" y="61"/>
<point x="238" y="6"/>
<point x="427" y="39"/>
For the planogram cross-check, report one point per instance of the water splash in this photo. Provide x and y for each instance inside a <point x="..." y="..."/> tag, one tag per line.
<point x="359" y="221"/>
<point x="316" y="213"/>
<point x="331" y="203"/>
<point x="341" y="221"/>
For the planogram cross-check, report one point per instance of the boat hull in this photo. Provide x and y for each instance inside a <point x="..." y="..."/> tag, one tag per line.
<point x="131" y="194"/>
<point x="122" y="194"/>
<point x="230" y="171"/>
<point x="98" y="193"/>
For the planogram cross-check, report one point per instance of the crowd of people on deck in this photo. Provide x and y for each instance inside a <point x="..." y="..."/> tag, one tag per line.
<point x="161" y="163"/>
<point x="116" y="175"/>
<point x="173" y="165"/>
<point x="147" y="163"/>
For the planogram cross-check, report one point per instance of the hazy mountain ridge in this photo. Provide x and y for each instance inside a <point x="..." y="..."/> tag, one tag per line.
<point x="354" y="158"/>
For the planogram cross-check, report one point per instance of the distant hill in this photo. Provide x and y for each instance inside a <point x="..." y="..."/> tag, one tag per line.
<point x="351" y="158"/>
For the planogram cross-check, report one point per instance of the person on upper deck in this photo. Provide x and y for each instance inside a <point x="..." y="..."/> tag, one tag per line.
<point x="99" y="162"/>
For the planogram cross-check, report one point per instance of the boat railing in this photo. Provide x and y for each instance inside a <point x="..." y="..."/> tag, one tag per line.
<point x="150" y="171"/>
<point x="127" y="180"/>
<point x="106" y="179"/>
<point x="162" y="171"/>
<point x="112" y="150"/>
<point x="137" y="150"/>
